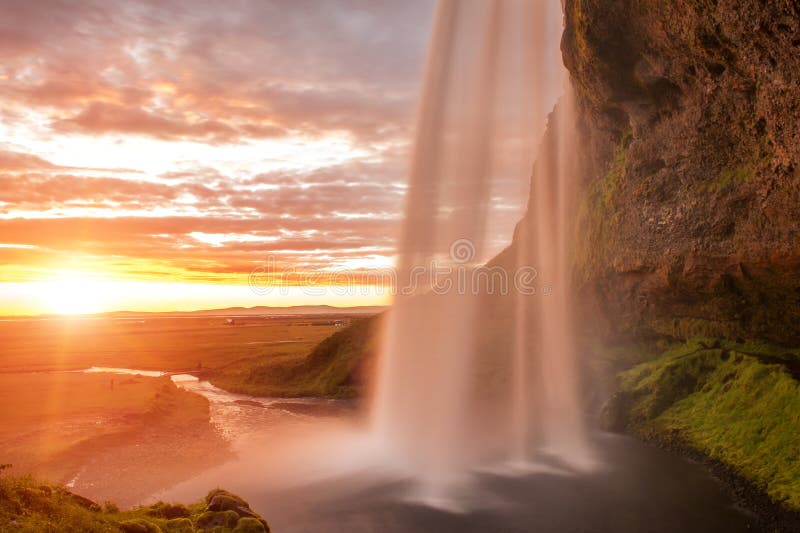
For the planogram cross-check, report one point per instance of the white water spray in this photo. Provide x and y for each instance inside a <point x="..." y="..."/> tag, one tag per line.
<point x="494" y="72"/>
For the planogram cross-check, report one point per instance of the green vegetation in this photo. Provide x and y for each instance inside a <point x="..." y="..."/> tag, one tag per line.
<point x="334" y="368"/>
<point x="583" y="51"/>
<point x="733" y="177"/>
<point x="690" y="328"/>
<point x="738" y="403"/>
<point x="730" y="178"/>
<point x="598" y="215"/>
<point x="29" y="506"/>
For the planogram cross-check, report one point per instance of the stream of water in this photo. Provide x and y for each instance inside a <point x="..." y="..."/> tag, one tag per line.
<point x="309" y="466"/>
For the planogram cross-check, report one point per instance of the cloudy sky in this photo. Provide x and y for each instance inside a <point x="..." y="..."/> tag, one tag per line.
<point x="183" y="142"/>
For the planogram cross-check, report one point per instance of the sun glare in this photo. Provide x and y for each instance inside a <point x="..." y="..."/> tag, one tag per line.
<point x="75" y="294"/>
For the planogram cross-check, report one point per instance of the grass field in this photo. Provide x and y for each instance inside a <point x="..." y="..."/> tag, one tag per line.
<point x="162" y="343"/>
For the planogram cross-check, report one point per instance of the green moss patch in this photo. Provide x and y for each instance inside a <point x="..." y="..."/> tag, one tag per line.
<point x="730" y="178"/>
<point x="598" y="215"/>
<point x="29" y="506"/>
<point x="736" y="403"/>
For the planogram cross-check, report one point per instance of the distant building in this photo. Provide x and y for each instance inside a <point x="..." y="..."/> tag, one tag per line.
<point x="230" y="321"/>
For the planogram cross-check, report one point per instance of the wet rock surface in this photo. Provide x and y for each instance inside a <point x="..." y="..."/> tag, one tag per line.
<point x="690" y="221"/>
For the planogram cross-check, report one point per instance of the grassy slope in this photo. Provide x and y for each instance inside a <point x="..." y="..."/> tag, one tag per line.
<point x="736" y="403"/>
<point x="333" y="368"/>
<point x="29" y="506"/>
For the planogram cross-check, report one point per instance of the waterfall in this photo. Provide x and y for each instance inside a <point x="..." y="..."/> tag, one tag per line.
<point x="493" y="75"/>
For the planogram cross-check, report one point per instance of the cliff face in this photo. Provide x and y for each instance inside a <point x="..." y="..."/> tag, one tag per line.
<point x="689" y="223"/>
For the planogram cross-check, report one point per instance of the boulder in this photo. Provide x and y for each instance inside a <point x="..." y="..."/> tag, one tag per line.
<point x="225" y="501"/>
<point x="138" y="525"/>
<point x="212" y="519"/>
<point x="222" y="492"/>
<point x="250" y="525"/>
<point x="614" y="413"/>
<point x="180" y="525"/>
<point x="220" y="500"/>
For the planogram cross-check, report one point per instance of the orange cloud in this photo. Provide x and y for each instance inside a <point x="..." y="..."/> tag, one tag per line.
<point x="16" y="161"/>
<point x="101" y="118"/>
<point x="268" y="71"/>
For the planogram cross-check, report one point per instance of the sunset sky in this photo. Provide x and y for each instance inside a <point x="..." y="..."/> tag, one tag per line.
<point x="183" y="142"/>
<point x="153" y="153"/>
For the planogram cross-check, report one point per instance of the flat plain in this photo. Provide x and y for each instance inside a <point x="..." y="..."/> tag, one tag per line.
<point x="121" y="437"/>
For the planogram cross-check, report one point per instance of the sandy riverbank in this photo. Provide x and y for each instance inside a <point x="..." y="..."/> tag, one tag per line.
<point x="118" y="443"/>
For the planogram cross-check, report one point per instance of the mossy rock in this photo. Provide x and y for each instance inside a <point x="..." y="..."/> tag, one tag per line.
<point x="250" y="525"/>
<point x="221" y="500"/>
<point x="180" y="525"/>
<point x="614" y="413"/>
<point x="212" y="519"/>
<point x="168" y="510"/>
<point x="228" y="502"/>
<point x="139" y="525"/>
<point x="213" y="494"/>
<point x="26" y="505"/>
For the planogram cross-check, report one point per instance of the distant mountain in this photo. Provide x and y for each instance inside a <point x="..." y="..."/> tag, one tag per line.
<point x="261" y="310"/>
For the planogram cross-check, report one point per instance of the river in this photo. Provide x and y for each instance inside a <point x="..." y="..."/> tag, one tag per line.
<point x="308" y="467"/>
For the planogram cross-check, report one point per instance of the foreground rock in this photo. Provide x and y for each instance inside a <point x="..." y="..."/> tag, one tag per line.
<point x="228" y="510"/>
<point x="26" y="505"/>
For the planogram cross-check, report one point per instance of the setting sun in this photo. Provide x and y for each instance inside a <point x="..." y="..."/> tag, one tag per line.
<point x="75" y="294"/>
